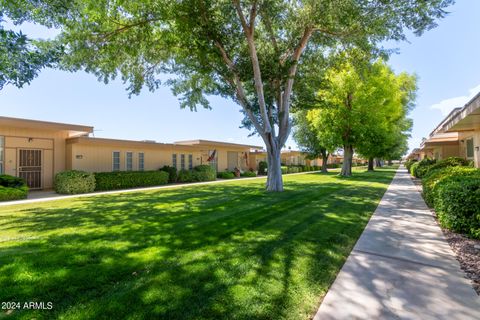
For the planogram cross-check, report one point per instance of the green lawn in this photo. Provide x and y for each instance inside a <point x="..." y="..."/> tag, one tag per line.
<point x="222" y="251"/>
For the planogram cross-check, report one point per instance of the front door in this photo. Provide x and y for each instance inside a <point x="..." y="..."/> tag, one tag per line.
<point x="30" y="167"/>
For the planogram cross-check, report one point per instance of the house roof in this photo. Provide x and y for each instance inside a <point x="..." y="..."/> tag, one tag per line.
<point x="466" y="119"/>
<point x="201" y="142"/>
<point x="75" y="129"/>
<point x="449" y="138"/>
<point x="129" y="143"/>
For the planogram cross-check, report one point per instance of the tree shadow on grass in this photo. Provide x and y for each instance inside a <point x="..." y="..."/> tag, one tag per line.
<point x="232" y="252"/>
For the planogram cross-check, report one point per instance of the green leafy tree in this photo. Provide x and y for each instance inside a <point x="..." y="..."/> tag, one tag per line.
<point x="388" y="100"/>
<point x="249" y="51"/>
<point x="363" y="108"/>
<point x="307" y="139"/>
<point x="22" y="58"/>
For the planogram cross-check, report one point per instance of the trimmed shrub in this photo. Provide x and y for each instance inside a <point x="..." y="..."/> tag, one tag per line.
<point x="172" y="173"/>
<point x="284" y="169"/>
<point x="262" y="168"/>
<point x="185" y="176"/>
<point x="448" y="162"/>
<point x="74" y="182"/>
<point x="419" y="169"/>
<point x="316" y="168"/>
<point x="434" y="178"/>
<point x="129" y="179"/>
<point x="409" y="163"/>
<point x="248" y="174"/>
<point x="204" y="173"/>
<point x="458" y="204"/>
<point x="12" y="188"/>
<point x="226" y="175"/>
<point x="333" y="165"/>
<point x="292" y="169"/>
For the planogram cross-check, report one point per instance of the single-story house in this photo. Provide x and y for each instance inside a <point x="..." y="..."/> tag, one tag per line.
<point x="414" y="155"/>
<point x="441" y="145"/>
<point x="466" y="122"/>
<point x="458" y="135"/>
<point x="37" y="150"/>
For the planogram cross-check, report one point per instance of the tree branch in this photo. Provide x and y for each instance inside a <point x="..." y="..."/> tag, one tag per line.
<point x="284" y="109"/>
<point x="257" y="75"/>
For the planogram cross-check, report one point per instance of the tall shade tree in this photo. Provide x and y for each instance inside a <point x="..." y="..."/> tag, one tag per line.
<point x="363" y="108"/>
<point x="388" y="100"/>
<point x="307" y="139"/>
<point x="21" y="58"/>
<point x="249" y="51"/>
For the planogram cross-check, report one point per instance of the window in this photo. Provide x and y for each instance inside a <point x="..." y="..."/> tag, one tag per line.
<point x="116" y="161"/>
<point x="190" y="161"/>
<point x="2" y="144"/>
<point x="182" y="161"/>
<point x="129" y="161"/>
<point x="174" y="161"/>
<point x="470" y="148"/>
<point x="141" y="161"/>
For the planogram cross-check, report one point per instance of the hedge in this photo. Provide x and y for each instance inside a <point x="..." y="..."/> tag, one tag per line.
<point x="409" y="163"/>
<point x="448" y="162"/>
<point x="204" y="173"/>
<point x="419" y="169"/>
<point x="185" y="176"/>
<point x="172" y="173"/>
<point x="74" y="182"/>
<point x="12" y="188"/>
<point x="430" y="181"/>
<point x="129" y="179"/>
<point x="226" y="175"/>
<point x="198" y="174"/>
<point x="248" y="174"/>
<point x="458" y="204"/>
<point x="262" y="168"/>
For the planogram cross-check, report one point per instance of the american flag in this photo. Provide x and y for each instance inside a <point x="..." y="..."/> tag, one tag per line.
<point x="212" y="156"/>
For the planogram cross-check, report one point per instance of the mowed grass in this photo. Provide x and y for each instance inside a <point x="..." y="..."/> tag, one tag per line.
<point x="221" y="251"/>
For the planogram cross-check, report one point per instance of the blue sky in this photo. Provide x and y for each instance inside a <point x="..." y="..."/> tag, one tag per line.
<point x="446" y="60"/>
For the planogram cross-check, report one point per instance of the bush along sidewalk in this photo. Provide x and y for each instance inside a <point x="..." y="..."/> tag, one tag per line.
<point x="74" y="182"/>
<point x="452" y="188"/>
<point x="12" y="188"/>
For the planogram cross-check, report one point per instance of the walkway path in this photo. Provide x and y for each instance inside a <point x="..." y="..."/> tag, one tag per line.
<point x="401" y="267"/>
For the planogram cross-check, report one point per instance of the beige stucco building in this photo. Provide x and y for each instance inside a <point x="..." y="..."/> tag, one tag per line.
<point x="458" y="135"/>
<point x="37" y="150"/>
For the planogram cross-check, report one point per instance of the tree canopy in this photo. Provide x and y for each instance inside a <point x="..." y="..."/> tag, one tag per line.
<point x="250" y="51"/>
<point x="364" y="108"/>
<point x="308" y="140"/>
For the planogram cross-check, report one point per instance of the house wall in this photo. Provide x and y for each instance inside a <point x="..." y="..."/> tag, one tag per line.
<point x="222" y="157"/>
<point x="444" y="151"/>
<point x="255" y="159"/>
<point x="50" y="142"/>
<point x="463" y="137"/>
<point x="98" y="156"/>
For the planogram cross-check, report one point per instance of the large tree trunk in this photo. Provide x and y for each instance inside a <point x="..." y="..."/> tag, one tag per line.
<point x="325" y="162"/>
<point x="370" y="164"/>
<point x="390" y="162"/>
<point x="347" y="161"/>
<point x="274" y="178"/>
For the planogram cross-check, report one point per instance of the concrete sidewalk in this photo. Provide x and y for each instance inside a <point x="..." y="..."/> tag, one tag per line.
<point x="401" y="267"/>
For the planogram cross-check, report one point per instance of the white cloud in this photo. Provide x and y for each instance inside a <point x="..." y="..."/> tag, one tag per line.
<point x="447" y="105"/>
